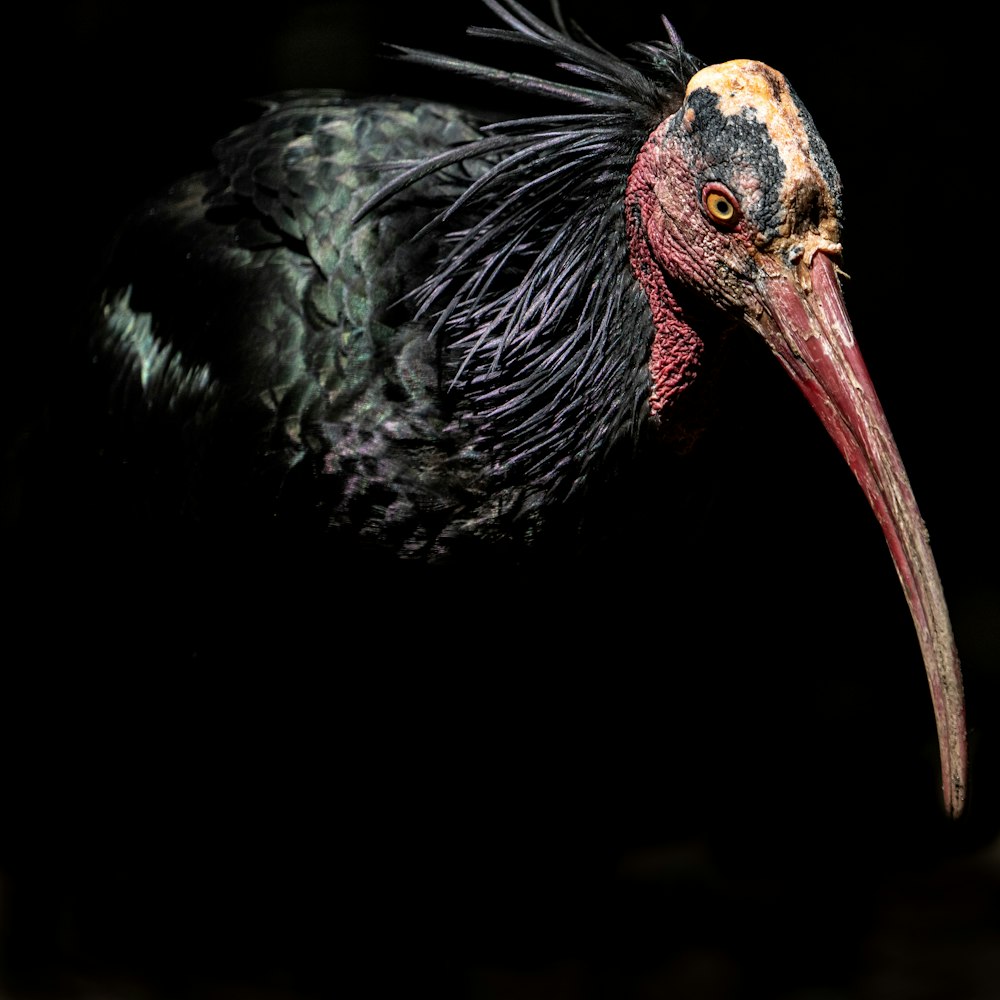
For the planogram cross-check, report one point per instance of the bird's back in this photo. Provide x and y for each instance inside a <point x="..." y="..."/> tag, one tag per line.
<point x="258" y="336"/>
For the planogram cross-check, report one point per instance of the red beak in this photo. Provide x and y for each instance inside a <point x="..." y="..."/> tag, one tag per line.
<point x="806" y="325"/>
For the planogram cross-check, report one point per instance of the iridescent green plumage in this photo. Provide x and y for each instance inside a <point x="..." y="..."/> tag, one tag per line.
<point x="418" y="323"/>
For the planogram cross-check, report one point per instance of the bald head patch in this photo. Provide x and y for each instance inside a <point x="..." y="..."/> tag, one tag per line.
<point x="746" y="127"/>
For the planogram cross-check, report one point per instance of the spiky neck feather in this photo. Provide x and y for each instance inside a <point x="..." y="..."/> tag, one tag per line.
<point x="541" y="323"/>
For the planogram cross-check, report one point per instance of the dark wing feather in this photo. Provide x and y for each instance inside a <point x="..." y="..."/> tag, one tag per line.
<point x="395" y="317"/>
<point x="248" y="301"/>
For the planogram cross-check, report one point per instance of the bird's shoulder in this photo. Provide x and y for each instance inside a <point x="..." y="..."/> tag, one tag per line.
<point x="250" y="311"/>
<point x="278" y="218"/>
<point x="309" y="163"/>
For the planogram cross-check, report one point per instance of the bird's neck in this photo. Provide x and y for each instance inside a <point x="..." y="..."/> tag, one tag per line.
<point x="675" y="358"/>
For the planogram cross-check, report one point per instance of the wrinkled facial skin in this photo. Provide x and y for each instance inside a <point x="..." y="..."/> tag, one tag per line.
<point x="741" y="127"/>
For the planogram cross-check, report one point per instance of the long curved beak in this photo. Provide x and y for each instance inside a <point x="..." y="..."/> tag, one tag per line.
<point x="806" y="324"/>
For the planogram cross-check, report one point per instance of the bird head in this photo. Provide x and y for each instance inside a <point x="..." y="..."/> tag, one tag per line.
<point x="741" y="182"/>
<point x="735" y="197"/>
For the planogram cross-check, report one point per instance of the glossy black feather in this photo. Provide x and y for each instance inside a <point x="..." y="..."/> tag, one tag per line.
<point x="398" y="319"/>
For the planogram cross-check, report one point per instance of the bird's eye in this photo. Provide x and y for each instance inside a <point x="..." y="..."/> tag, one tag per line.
<point x="720" y="205"/>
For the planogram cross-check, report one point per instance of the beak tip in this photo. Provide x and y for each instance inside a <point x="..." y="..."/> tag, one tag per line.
<point x="955" y="785"/>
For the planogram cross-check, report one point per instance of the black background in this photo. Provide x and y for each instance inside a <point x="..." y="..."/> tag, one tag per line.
<point x="708" y="775"/>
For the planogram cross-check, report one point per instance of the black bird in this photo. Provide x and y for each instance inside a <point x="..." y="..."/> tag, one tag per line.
<point x="439" y="334"/>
